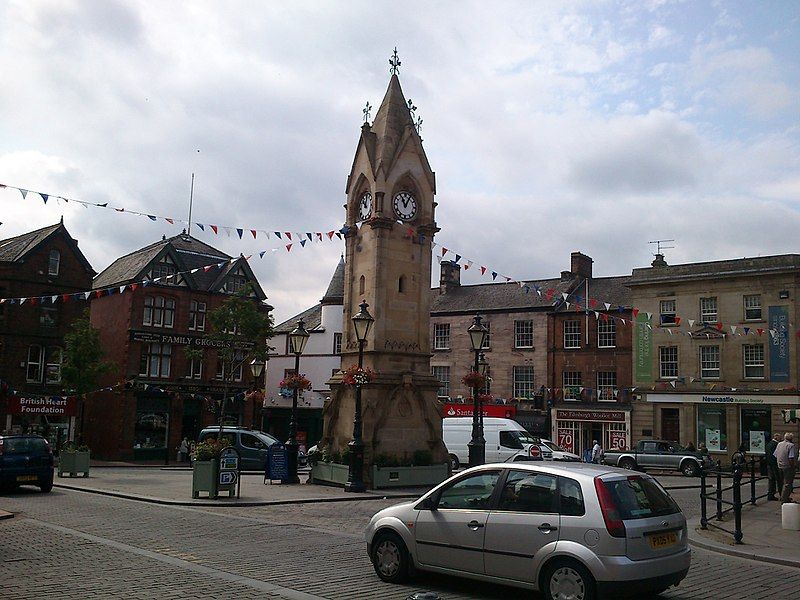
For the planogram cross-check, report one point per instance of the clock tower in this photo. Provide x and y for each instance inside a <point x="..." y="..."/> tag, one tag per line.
<point x="390" y="224"/>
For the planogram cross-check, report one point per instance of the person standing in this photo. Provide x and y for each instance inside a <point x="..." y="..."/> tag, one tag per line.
<point x="786" y="455"/>
<point x="184" y="450"/>
<point x="597" y="452"/>
<point x="773" y="472"/>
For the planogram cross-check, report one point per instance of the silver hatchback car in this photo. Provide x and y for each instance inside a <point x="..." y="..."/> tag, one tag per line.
<point x="572" y="531"/>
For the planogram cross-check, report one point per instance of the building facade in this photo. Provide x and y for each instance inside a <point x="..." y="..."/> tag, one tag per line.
<point x="715" y="351"/>
<point x="39" y="273"/>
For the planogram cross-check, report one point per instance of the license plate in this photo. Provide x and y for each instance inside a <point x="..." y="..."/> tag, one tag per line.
<point x="663" y="540"/>
<point x="27" y="478"/>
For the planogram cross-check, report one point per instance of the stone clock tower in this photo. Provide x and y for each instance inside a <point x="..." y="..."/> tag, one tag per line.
<point x="390" y="226"/>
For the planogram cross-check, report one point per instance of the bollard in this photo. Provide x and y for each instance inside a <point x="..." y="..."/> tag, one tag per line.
<point x="719" y="491"/>
<point x="703" y="514"/>
<point x="737" y="502"/>
<point x="753" y="480"/>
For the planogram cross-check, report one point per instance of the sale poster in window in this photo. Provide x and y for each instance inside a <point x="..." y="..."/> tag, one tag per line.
<point x="713" y="440"/>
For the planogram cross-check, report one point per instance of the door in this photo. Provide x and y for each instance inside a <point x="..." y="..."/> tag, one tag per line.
<point x="254" y="452"/>
<point x="451" y="535"/>
<point x="671" y="425"/>
<point x="524" y="527"/>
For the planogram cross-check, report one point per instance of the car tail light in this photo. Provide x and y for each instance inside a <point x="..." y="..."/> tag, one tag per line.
<point x="534" y="451"/>
<point x="614" y="525"/>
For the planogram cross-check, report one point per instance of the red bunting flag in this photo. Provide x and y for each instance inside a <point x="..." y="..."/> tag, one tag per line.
<point x="65" y="297"/>
<point x="98" y="293"/>
<point x="134" y="286"/>
<point x="592" y="302"/>
<point x="483" y="270"/>
<point x="288" y="247"/>
<point x="253" y="231"/>
<point x="207" y="268"/>
<point x="288" y="235"/>
<point x="760" y="331"/>
<point x="330" y="235"/>
<point x="718" y="326"/>
<point x="170" y="221"/>
<point x="444" y="251"/>
<point x="677" y="320"/>
<point x="214" y="228"/>
<point x="635" y="312"/>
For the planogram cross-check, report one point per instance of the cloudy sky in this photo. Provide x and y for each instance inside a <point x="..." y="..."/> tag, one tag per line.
<point x="552" y="126"/>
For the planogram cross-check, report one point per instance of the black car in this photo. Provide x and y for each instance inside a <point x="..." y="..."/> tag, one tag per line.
<point x="252" y="445"/>
<point x="25" y="460"/>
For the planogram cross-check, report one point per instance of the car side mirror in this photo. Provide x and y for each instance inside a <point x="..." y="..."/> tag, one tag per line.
<point x="428" y="504"/>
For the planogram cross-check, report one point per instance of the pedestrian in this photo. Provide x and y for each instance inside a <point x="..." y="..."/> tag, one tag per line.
<point x="773" y="472"/>
<point x="703" y="448"/>
<point x="184" y="449"/>
<point x="690" y="447"/>
<point x="786" y="455"/>
<point x="597" y="452"/>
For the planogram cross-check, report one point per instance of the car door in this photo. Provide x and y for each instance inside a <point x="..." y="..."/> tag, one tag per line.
<point x="451" y="535"/>
<point x="648" y="457"/>
<point x="254" y="452"/>
<point x="524" y="527"/>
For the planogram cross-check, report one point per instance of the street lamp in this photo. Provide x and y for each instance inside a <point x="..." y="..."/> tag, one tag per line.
<point x="477" y="445"/>
<point x="297" y="343"/>
<point x="256" y="368"/>
<point x="362" y="322"/>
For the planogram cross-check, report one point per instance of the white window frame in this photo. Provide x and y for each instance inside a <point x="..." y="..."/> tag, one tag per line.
<point x="523" y="378"/>
<point x="606" y="333"/>
<point x="54" y="262"/>
<point x="156" y="360"/>
<point x="571" y="382"/>
<point x="753" y="358"/>
<point x="337" y="343"/>
<point x="666" y="367"/>
<point x="752" y="302"/>
<point x="52" y="370"/>
<point x="667" y="310"/>
<point x="523" y="333"/>
<point x="441" y="336"/>
<point x="159" y="311"/>
<point x="606" y="386"/>
<point x="710" y="362"/>
<point x="709" y="312"/>
<point x="197" y="315"/>
<point x="572" y="333"/>
<point x="196" y="368"/>
<point x="442" y="374"/>
<point x="238" y="355"/>
<point x="165" y="269"/>
<point x="487" y="341"/>
<point x="35" y="361"/>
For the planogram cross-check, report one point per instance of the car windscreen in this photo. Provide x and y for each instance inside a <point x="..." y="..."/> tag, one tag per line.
<point x="524" y="437"/>
<point x="24" y="445"/>
<point x="639" y="498"/>
<point x="266" y="438"/>
<point x="554" y="446"/>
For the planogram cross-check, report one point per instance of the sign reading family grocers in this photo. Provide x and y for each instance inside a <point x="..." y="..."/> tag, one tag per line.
<point x="54" y="405"/>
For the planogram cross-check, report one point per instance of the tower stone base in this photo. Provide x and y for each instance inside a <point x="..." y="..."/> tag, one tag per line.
<point x="400" y="415"/>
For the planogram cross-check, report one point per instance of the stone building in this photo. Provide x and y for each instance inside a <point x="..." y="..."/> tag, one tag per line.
<point x="715" y="351"/>
<point x="45" y="267"/>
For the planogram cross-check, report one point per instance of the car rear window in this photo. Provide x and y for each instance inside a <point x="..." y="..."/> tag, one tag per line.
<point x="639" y="498"/>
<point x="24" y="445"/>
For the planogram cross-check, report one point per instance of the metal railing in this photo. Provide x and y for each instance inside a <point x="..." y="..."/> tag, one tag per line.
<point x="736" y="474"/>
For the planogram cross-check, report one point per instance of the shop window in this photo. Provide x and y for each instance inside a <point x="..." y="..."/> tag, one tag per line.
<point x="711" y="428"/>
<point x="53" y="366"/>
<point x="33" y="372"/>
<point x="441" y="336"/>
<point x="231" y="365"/>
<point x="572" y="334"/>
<point x="709" y="362"/>
<point x="523" y="382"/>
<point x="606" y="385"/>
<point x="753" y="356"/>
<point x="155" y="360"/>
<point x="666" y="309"/>
<point x="708" y="310"/>
<point x="337" y="343"/>
<point x="756" y="425"/>
<point x="158" y="311"/>
<point x="150" y="430"/>
<point x="752" y="307"/>
<point x="523" y="334"/>
<point x="606" y="333"/>
<point x="443" y="375"/>
<point x="571" y="382"/>
<point x="197" y="315"/>
<point x="54" y="262"/>
<point x="668" y="362"/>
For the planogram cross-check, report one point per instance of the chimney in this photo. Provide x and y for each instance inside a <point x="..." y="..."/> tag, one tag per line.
<point x="659" y="261"/>
<point x="450" y="277"/>
<point x="580" y="264"/>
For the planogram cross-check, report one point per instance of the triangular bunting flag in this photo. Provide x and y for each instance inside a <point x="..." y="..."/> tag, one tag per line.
<point x="121" y="289"/>
<point x="718" y="326"/>
<point x="261" y="254"/>
<point x="152" y="217"/>
<point x="201" y="226"/>
<point x="649" y="316"/>
<point x="494" y="275"/>
<point x="86" y="295"/>
<point x="24" y="193"/>
<point x="254" y="233"/>
<point x="277" y="234"/>
<point x="288" y="247"/>
<point x="746" y="330"/>
<point x="607" y="305"/>
<point x="44" y="197"/>
<point x="691" y="322"/>
<point x="458" y="257"/>
<point x="288" y="235"/>
<point x="483" y="270"/>
<point x="564" y="295"/>
<point x="170" y="221"/>
<point x="240" y="232"/>
<point x="635" y="312"/>
<point x="677" y="320"/>
<point x="733" y="329"/>
<point x="214" y="228"/>
<point x="303" y="243"/>
<point x="330" y="235"/>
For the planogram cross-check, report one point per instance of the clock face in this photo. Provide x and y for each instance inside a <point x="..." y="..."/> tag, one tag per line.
<point x="405" y="206"/>
<point x="365" y="206"/>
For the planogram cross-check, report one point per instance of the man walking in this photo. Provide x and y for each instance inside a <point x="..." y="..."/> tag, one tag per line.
<point x="773" y="472"/>
<point x="597" y="453"/>
<point x="786" y="455"/>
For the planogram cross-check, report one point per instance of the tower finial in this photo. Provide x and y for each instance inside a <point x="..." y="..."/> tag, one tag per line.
<point x="367" y="109"/>
<point x="394" y="63"/>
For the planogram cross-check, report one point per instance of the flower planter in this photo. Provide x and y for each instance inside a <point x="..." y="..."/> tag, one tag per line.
<point x="73" y="463"/>
<point x="387" y="477"/>
<point x="204" y="478"/>
<point x="329" y="473"/>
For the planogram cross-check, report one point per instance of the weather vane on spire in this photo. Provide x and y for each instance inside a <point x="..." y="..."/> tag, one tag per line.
<point x="366" y="111"/>
<point x="394" y="63"/>
<point x="411" y="108"/>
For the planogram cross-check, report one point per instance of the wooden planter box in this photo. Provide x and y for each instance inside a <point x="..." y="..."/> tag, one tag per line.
<point x="329" y="473"/>
<point x="73" y="463"/>
<point x="387" y="477"/>
<point x="205" y="474"/>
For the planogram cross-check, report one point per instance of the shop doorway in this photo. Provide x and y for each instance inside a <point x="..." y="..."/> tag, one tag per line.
<point x="671" y="425"/>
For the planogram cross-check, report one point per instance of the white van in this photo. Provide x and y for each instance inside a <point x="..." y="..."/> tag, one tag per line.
<point x="506" y="440"/>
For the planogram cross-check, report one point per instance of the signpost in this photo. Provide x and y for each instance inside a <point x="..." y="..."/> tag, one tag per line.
<point x="229" y="472"/>
<point x="277" y="464"/>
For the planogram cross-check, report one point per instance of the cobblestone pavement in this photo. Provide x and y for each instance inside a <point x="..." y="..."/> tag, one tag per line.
<point x="70" y="544"/>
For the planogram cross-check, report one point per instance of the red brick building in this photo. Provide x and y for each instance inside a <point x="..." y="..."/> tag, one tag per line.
<point x="43" y="267"/>
<point x="153" y="305"/>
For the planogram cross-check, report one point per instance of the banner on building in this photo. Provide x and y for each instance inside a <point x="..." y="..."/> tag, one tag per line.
<point x="642" y="350"/>
<point x="779" y="343"/>
<point x="40" y="405"/>
<point x="506" y="411"/>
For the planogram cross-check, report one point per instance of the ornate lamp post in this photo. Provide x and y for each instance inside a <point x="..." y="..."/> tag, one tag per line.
<point x="256" y="368"/>
<point x="362" y="322"/>
<point x="477" y="445"/>
<point x="297" y="343"/>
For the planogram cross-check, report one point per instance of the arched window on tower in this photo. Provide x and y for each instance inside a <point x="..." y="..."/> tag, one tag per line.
<point x="361" y="285"/>
<point x="401" y="284"/>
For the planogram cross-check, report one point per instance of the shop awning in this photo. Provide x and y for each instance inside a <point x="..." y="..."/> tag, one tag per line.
<point x="791" y="415"/>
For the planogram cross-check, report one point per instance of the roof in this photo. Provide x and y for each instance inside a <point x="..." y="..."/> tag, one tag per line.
<point x="17" y="248"/>
<point x="311" y="316"/>
<point x="611" y="290"/>
<point x="497" y="296"/>
<point x="335" y="291"/>
<point x="716" y="269"/>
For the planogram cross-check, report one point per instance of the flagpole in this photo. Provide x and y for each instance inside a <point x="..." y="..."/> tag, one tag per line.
<point x="191" y="198"/>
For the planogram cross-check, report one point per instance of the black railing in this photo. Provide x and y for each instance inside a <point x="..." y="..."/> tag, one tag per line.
<point x="738" y="468"/>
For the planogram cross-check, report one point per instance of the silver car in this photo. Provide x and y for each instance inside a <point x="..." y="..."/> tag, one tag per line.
<point x="573" y="531"/>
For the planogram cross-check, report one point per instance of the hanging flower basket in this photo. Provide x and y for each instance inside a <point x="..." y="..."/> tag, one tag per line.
<point x="295" y="382"/>
<point x="473" y="379"/>
<point x="485" y="398"/>
<point x="356" y="375"/>
<point x="255" y="396"/>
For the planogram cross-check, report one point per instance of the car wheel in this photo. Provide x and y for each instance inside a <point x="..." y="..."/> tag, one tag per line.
<point x="628" y="463"/>
<point x="568" y="581"/>
<point x="46" y="487"/>
<point x="454" y="462"/>
<point x="690" y="468"/>
<point x="390" y="558"/>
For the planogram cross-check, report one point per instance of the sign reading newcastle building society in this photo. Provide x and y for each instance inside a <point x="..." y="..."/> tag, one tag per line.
<point x="726" y="398"/>
<point x="151" y="337"/>
<point x="779" y="343"/>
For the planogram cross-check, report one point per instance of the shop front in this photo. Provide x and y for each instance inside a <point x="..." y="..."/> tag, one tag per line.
<point x="52" y="417"/>
<point x="723" y="422"/>
<point x="576" y="429"/>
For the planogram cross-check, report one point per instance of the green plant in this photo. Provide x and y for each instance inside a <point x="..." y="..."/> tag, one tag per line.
<point x="315" y="455"/>
<point x="422" y="458"/>
<point x="210" y="449"/>
<point x="74" y="447"/>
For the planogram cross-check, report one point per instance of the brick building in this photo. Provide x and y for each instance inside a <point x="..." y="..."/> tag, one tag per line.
<point x="151" y="306"/>
<point x="44" y="267"/>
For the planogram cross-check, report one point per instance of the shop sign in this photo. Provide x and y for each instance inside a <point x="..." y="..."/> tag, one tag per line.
<point x="617" y="440"/>
<point x="566" y="439"/>
<point x="725" y="398"/>
<point x="54" y="405"/>
<point x="505" y="411"/>
<point x="779" y="343"/>
<point x="591" y="415"/>
<point x="153" y="337"/>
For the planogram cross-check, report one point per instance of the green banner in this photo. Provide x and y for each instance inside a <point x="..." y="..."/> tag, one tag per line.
<point x="642" y="350"/>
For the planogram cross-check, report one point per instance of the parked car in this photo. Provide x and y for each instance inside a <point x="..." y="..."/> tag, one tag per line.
<point x="506" y="440"/>
<point x="252" y="445"/>
<point x="25" y="460"/>
<point x="579" y="531"/>
<point x="560" y="453"/>
<point x="659" y="454"/>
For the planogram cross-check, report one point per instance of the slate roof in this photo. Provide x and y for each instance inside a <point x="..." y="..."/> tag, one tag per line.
<point x="716" y="269"/>
<point x="18" y="247"/>
<point x="497" y="296"/>
<point x="335" y="291"/>
<point x="611" y="290"/>
<point x="311" y="316"/>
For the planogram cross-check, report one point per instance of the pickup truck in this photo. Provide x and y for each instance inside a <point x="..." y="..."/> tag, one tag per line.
<point x="658" y="454"/>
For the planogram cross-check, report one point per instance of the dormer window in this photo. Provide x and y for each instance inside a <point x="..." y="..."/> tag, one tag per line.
<point x="235" y="283"/>
<point x="164" y="268"/>
<point x="54" y="262"/>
